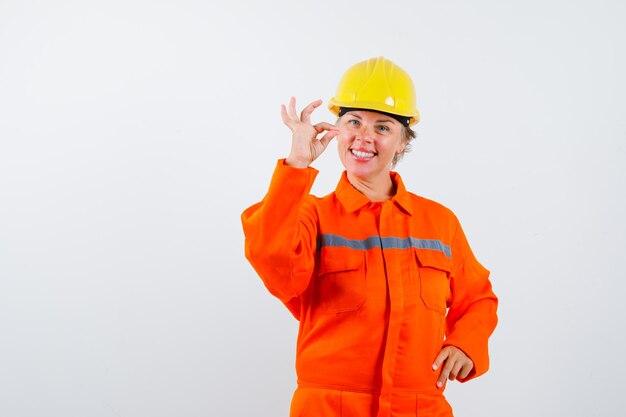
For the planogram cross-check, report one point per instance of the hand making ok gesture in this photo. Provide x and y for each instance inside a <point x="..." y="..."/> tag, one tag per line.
<point x="305" y="146"/>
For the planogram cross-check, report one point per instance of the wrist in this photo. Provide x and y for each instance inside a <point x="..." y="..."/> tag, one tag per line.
<point x="292" y="162"/>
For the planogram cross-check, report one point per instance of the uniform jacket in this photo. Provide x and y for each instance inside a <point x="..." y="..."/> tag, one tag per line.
<point x="378" y="289"/>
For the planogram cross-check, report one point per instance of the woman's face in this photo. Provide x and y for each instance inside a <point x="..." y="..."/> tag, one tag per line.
<point x="367" y="143"/>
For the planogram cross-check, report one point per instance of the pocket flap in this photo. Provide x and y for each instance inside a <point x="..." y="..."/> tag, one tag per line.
<point x="433" y="259"/>
<point x="333" y="261"/>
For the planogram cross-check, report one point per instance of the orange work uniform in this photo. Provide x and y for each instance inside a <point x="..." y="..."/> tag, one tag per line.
<point x="375" y="287"/>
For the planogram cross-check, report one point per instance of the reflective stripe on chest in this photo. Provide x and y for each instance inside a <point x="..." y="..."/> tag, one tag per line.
<point x="330" y="240"/>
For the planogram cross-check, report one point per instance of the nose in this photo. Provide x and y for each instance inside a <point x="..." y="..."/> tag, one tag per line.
<point x="364" y="135"/>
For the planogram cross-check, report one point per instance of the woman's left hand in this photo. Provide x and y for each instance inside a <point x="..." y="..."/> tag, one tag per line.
<point x="457" y="364"/>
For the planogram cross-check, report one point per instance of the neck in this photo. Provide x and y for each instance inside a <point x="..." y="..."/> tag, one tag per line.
<point x="380" y="188"/>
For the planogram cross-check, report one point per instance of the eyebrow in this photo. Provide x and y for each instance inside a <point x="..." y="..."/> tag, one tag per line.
<point x="377" y="121"/>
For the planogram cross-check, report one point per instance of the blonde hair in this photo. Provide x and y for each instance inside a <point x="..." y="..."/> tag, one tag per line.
<point x="408" y="135"/>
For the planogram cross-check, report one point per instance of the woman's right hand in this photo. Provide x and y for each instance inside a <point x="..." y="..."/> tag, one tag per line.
<point x="305" y="146"/>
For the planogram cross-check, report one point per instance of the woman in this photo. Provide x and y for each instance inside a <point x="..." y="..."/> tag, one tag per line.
<point x="375" y="275"/>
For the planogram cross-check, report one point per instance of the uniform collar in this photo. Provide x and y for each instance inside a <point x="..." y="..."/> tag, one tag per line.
<point x="352" y="199"/>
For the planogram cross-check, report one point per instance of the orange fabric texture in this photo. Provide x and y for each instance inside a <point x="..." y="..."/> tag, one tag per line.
<point x="376" y="287"/>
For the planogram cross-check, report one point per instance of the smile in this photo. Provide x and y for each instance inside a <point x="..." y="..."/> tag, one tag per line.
<point x="363" y="155"/>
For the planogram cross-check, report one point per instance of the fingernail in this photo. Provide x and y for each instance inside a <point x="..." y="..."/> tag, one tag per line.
<point x="439" y="384"/>
<point x="434" y="367"/>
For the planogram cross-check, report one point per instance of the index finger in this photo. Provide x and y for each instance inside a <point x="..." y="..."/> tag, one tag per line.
<point x="440" y="358"/>
<point x="320" y="127"/>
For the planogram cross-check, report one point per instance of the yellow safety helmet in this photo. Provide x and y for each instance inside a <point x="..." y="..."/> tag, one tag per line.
<point x="376" y="84"/>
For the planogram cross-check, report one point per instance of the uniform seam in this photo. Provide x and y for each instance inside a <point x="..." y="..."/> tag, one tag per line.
<point x="343" y="389"/>
<point x="341" y="403"/>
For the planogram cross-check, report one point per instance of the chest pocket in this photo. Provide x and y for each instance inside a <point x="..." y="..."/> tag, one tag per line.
<point x="341" y="282"/>
<point x="434" y="279"/>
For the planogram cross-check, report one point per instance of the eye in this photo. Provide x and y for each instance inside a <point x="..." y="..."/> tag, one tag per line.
<point x="383" y="128"/>
<point x="353" y="122"/>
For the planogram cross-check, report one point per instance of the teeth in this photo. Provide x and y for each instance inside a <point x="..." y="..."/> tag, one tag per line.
<point x="363" y="154"/>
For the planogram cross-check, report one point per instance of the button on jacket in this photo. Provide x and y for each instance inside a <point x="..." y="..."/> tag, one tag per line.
<point x="378" y="288"/>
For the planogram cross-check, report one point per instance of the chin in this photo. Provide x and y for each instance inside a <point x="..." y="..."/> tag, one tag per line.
<point x="359" y="172"/>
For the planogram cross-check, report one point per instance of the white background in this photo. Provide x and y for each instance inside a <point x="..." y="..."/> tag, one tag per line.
<point x="133" y="134"/>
